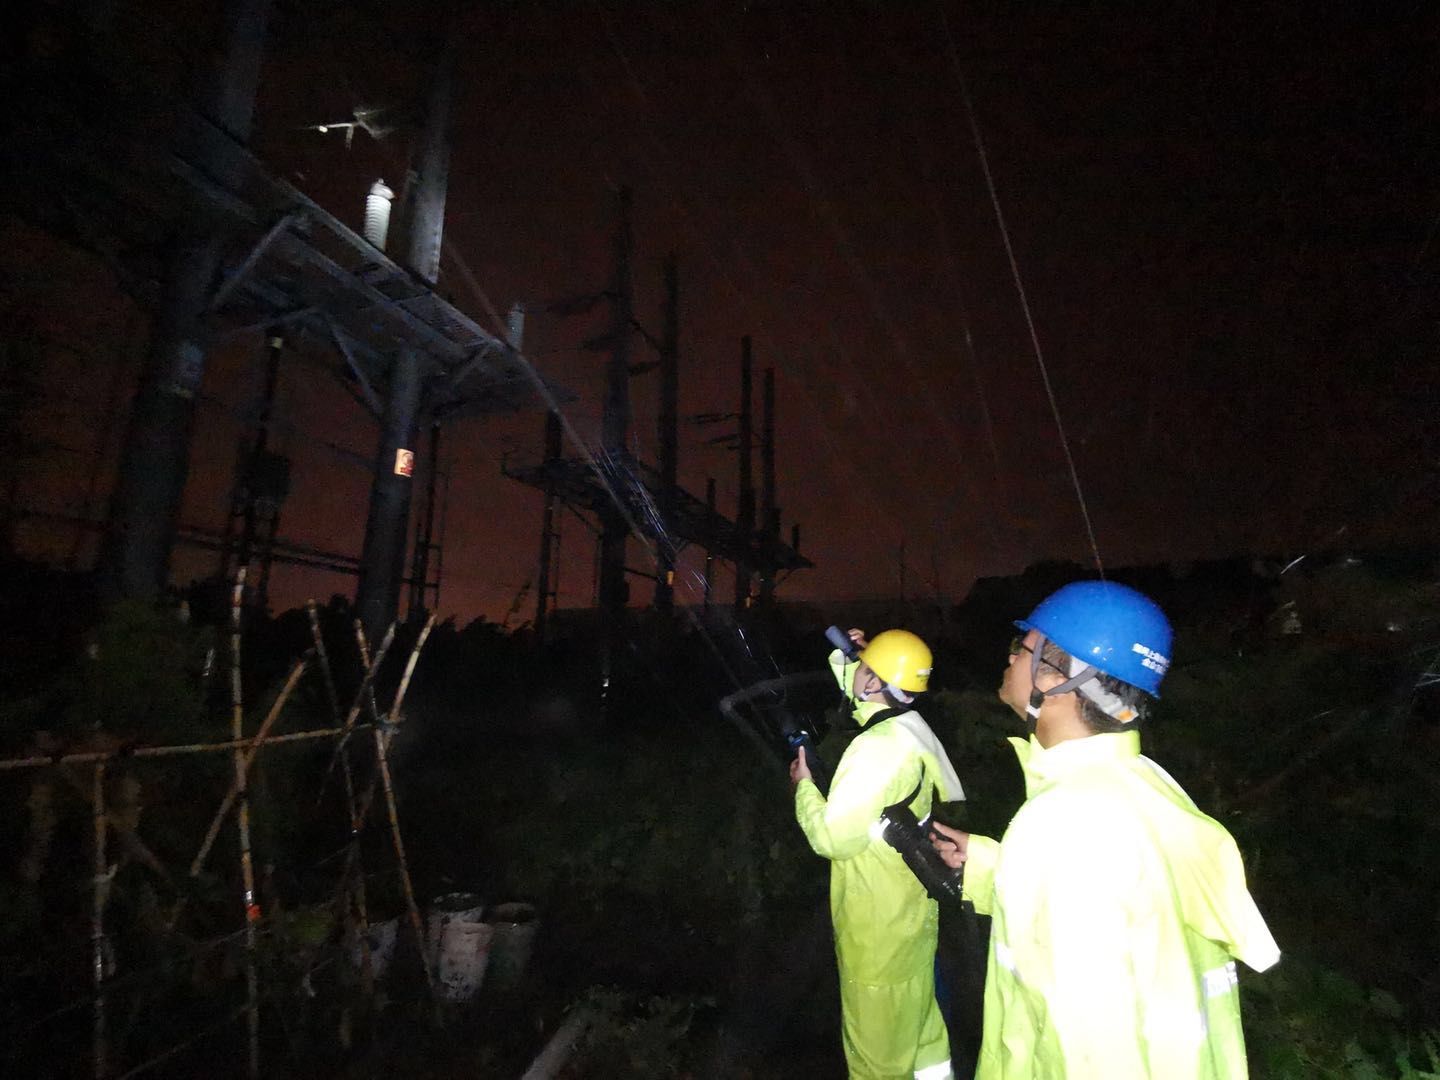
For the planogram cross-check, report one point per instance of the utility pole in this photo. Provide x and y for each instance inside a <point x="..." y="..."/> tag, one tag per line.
<point x="769" y="512"/>
<point x="382" y="561"/>
<point x="155" y="460"/>
<point x="544" y="592"/>
<point x="745" y="513"/>
<point x="614" y="458"/>
<point x="615" y="422"/>
<point x="709" y="552"/>
<point x="422" y="213"/>
<point x="668" y="438"/>
<point x="267" y="482"/>
<point x="419" y="609"/>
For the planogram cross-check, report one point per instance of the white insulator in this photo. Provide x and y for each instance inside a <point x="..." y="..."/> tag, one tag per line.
<point x="377" y="213"/>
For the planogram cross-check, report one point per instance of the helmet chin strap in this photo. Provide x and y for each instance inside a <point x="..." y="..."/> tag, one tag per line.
<point x="1038" y="696"/>
<point x="889" y="694"/>
<point x="898" y="694"/>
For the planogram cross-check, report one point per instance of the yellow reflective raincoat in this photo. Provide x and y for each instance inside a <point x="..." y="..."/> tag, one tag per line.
<point x="885" y="925"/>
<point x="1119" y="911"/>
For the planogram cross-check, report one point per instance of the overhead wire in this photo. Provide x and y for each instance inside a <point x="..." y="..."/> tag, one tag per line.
<point x="990" y="187"/>
<point x="840" y="237"/>
<point x="967" y="349"/>
<point x="845" y="245"/>
<point x="683" y="204"/>
<point x="720" y="266"/>
<point x="605" y="474"/>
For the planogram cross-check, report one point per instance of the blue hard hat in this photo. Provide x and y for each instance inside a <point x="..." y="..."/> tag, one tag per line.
<point x="1109" y="626"/>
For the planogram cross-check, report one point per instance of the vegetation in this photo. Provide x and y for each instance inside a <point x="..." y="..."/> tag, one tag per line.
<point x="679" y="903"/>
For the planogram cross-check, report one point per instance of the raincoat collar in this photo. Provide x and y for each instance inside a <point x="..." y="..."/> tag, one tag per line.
<point x="865" y="711"/>
<point x="1044" y="767"/>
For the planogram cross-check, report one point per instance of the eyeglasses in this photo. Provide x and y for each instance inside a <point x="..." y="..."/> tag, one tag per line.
<point x="1017" y="646"/>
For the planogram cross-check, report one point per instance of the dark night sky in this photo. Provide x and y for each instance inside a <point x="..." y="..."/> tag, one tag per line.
<point x="1224" y="218"/>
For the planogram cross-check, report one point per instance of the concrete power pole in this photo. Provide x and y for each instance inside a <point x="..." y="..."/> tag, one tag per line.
<point x="382" y="560"/>
<point x="155" y="460"/>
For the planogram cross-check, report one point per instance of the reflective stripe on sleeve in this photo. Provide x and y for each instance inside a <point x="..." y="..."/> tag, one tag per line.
<point x="1221" y="980"/>
<point x="1004" y="957"/>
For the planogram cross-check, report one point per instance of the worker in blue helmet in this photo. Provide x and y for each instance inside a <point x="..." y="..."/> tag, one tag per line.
<point x="1119" y="908"/>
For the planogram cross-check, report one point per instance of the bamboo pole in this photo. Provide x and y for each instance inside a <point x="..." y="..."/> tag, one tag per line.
<point x="94" y="757"/>
<point x="247" y="759"/>
<point x="353" y="902"/>
<point x="319" y="639"/>
<point x="352" y="855"/>
<point x="358" y="814"/>
<point x="382" y="740"/>
<point x="242" y="818"/>
<point x="399" y="701"/>
<point x="366" y="692"/>
<point x="97" y="926"/>
<point x="127" y="835"/>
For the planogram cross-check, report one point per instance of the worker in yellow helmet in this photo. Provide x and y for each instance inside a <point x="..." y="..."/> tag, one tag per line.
<point x="1119" y="908"/>
<point x="885" y="924"/>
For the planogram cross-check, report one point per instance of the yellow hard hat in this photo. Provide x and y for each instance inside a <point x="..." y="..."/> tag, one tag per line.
<point x="901" y="659"/>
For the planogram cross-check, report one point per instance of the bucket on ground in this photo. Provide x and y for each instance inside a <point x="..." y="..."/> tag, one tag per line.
<point x="450" y="908"/>
<point x="515" y="926"/>
<point x="380" y="939"/>
<point x="464" y="956"/>
<point x="457" y="945"/>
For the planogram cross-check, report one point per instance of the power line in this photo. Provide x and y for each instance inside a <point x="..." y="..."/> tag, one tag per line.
<point x="979" y="142"/>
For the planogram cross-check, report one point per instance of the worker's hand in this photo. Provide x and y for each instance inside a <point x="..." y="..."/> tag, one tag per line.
<point x="952" y="844"/>
<point x="857" y="635"/>
<point x="799" y="769"/>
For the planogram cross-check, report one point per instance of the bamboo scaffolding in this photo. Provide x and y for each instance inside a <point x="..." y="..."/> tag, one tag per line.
<point x="352" y="882"/>
<point x="244" y="751"/>
<point x="399" y="702"/>
<point x="242" y="821"/>
<point x="382" y="739"/>
<point x="248" y="756"/>
<point x="97" y="925"/>
<point x="366" y="692"/>
<point x="94" y="757"/>
<point x="352" y="860"/>
<point x="329" y="676"/>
